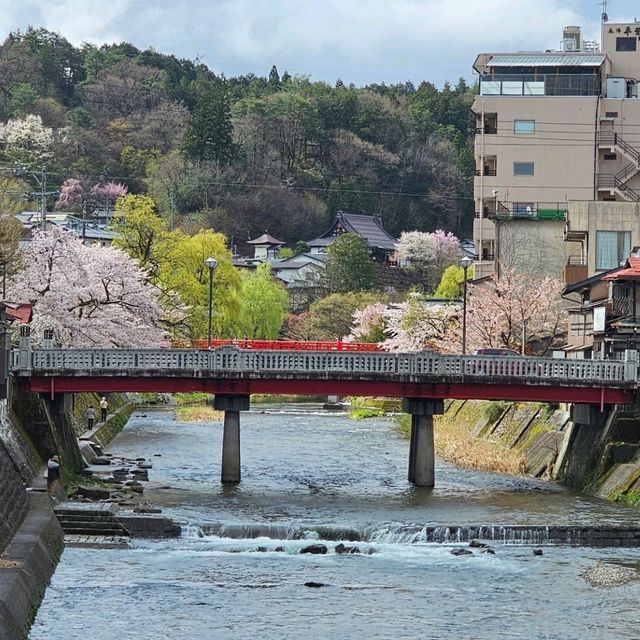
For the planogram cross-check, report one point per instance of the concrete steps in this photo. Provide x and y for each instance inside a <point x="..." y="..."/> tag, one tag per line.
<point x="88" y="519"/>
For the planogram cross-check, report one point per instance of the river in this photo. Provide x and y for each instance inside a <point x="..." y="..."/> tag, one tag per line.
<point x="312" y="476"/>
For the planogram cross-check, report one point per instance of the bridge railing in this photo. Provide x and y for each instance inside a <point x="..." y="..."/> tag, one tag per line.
<point x="228" y="359"/>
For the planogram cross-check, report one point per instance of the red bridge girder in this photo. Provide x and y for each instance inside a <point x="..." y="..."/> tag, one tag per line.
<point x="458" y="391"/>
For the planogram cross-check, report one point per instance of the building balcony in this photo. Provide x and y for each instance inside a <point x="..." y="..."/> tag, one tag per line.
<point x="529" y="211"/>
<point x="489" y="130"/>
<point x="540" y="85"/>
<point x="576" y="269"/>
<point x="486" y="172"/>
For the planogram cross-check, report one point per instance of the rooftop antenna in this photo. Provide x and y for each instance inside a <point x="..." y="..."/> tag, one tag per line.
<point x="605" y="15"/>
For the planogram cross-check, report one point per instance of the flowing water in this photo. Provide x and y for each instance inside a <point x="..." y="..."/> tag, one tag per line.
<point x="315" y="477"/>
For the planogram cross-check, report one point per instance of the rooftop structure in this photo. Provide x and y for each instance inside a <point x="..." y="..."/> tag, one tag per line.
<point x="265" y="247"/>
<point x="89" y="232"/>
<point x="554" y="127"/>
<point x="381" y="243"/>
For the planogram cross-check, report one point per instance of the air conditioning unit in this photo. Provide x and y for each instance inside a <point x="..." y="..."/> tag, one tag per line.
<point x="616" y="88"/>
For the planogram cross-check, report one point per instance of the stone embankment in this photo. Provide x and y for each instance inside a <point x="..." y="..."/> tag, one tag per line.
<point x="33" y="428"/>
<point x="31" y="538"/>
<point x="601" y="459"/>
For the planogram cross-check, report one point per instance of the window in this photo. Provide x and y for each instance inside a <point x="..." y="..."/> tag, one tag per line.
<point x="611" y="114"/>
<point x="610" y="156"/>
<point x="523" y="168"/>
<point x="626" y="44"/>
<point x="524" y="126"/>
<point x="612" y="247"/>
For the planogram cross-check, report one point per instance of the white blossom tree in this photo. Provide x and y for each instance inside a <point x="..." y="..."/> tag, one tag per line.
<point x="429" y="253"/>
<point x="416" y="324"/>
<point x="514" y="307"/>
<point x="369" y="323"/>
<point x="27" y="141"/>
<point x="90" y="295"/>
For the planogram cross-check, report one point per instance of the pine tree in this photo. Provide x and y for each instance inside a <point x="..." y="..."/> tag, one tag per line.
<point x="209" y="134"/>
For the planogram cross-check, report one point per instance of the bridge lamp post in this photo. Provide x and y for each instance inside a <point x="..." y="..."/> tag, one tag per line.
<point x="465" y="262"/>
<point x="211" y="263"/>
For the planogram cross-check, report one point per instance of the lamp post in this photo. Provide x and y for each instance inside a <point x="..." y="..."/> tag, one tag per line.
<point x="211" y="263"/>
<point x="465" y="262"/>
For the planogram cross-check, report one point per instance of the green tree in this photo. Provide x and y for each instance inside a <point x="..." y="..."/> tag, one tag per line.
<point x="263" y="306"/>
<point x="143" y="234"/>
<point x="274" y="79"/>
<point x="450" y="286"/>
<point x="349" y="264"/>
<point x="182" y="272"/>
<point x="10" y="235"/>
<point x="21" y="99"/>
<point x="209" y="132"/>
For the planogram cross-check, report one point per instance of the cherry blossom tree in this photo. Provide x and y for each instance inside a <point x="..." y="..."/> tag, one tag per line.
<point x="106" y="194"/>
<point x="90" y="295"/>
<point x="429" y="253"/>
<point x="510" y="308"/>
<point x="71" y="195"/>
<point x="27" y="141"/>
<point x="369" y="323"/>
<point x="417" y="324"/>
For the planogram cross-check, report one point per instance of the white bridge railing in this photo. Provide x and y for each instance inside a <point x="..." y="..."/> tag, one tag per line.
<point x="261" y="364"/>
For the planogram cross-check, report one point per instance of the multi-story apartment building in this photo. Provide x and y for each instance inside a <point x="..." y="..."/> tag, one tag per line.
<point x="555" y="127"/>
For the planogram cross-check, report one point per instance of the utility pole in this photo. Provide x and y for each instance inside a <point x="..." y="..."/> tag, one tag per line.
<point x="43" y="193"/>
<point x="43" y="199"/>
<point x="4" y="355"/>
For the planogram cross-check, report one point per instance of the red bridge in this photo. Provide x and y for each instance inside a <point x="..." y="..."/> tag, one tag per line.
<point x="423" y="380"/>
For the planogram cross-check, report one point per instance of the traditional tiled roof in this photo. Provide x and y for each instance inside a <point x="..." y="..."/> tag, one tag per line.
<point x="265" y="238"/>
<point x="631" y="271"/>
<point x="18" y="311"/>
<point x="368" y="227"/>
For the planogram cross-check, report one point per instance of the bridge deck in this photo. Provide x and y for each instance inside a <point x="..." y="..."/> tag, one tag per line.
<point x="231" y="370"/>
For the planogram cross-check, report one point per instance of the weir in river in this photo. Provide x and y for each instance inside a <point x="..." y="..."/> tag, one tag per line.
<point x="315" y="477"/>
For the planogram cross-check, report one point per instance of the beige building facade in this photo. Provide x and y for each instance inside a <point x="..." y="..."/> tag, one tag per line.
<point x="555" y="128"/>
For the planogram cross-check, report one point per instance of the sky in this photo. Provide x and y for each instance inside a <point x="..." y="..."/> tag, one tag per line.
<point x="359" y="41"/>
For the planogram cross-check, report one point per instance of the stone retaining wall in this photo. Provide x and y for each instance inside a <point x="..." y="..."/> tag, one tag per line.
<point x="601" y="459"/>
<point x="31" y="539"/>
<point x="26" y="566"/>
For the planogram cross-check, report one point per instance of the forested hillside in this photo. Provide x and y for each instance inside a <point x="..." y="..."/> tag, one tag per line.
<point x="239" y="155"/>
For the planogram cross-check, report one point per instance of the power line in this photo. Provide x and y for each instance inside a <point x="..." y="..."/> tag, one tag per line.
<point x="243" y="185"/>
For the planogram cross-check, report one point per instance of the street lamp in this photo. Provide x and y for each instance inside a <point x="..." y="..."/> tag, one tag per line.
<point x="211" y="263"/>
<point x="465" y="262"/>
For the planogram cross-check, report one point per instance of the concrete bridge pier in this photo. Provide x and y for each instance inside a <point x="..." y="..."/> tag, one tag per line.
<point x="232" y="406"/>
<point x="421" y="448"/>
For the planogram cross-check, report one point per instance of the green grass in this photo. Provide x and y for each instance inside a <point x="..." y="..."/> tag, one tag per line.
<point x="364" y="413"/>
<point x="191" y="398"/>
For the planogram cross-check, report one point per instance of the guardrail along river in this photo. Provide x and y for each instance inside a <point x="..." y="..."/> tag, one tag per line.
<point x="312" y="477"/>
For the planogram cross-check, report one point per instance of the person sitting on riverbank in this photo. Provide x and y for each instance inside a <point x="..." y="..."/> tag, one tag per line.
<point x="91" y="416"/>
<point x="53" y="474"/>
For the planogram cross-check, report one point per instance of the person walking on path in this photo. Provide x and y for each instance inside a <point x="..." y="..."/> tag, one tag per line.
<point x="53" y="474"/>
<point x="91" y="416"/>
<point x="104" y="405"/>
